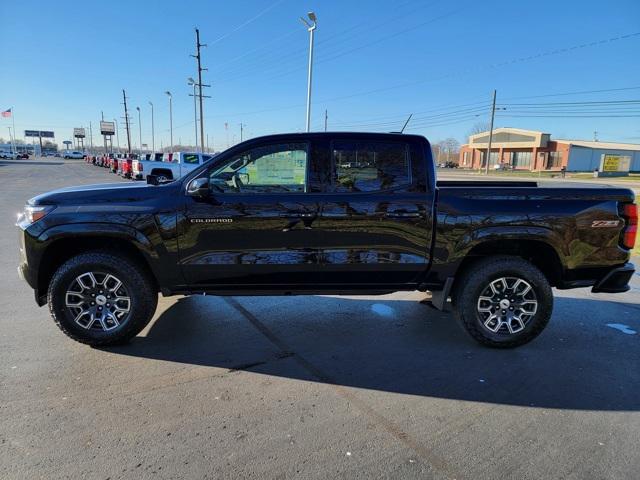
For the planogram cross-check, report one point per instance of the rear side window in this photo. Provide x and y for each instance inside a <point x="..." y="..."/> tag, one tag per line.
<point x="190" y="158"/>
<point x="370" y="166"/>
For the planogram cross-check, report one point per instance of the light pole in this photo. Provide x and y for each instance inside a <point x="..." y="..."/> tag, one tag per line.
<point x="153" y="135"/>
<point x="13" y="147"/>
<point x="191" y="81"/>
<point x="311" y="27"/>
<point x="170" y="119"/>
<point x="117" y="135"/>
<point x="139" y="128"/>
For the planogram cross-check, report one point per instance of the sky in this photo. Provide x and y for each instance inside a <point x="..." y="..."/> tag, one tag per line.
<point x="375" y="62"/>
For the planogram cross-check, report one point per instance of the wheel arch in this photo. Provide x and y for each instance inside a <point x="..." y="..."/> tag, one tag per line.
<point x="64" y="242"/>
<point x="539" y="253"/>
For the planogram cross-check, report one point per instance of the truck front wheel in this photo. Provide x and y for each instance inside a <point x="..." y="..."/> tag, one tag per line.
<point x="502" y="301"/>
<point x="101" y="298"/>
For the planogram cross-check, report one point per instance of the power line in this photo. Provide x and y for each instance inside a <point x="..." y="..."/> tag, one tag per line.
<point x="244" y="24"/>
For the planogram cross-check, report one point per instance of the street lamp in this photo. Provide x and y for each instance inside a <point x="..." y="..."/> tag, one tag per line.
<point x="117" y="135"/>
<point x="153" y="135"/>
<point x="170" y="119"/>
<point x="191" y="81"/>
<point x="311" y="28"/>
<point x="139" y="128"/>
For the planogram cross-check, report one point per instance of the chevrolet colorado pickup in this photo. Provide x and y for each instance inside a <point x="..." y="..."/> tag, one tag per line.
<point x="320" y="213"/>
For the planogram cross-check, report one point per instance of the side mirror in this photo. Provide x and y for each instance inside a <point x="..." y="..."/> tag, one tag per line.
<point x="199" y="188"/>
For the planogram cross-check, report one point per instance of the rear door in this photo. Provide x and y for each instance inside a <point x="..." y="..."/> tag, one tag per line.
<point x="377" y="212"/>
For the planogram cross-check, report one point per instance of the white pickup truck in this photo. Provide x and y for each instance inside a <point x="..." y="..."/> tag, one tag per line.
<point x="168" y="166"/>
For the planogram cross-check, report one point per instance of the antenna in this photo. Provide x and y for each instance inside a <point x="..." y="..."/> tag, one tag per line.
<point x="406" y="123"/>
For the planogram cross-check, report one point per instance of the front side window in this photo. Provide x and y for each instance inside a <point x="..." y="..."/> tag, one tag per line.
<point x="266" y="169"/>
<point x="370" y="166"/>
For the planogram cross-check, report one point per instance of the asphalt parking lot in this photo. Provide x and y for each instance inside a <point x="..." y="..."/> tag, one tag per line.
<point x="310" y="387"/>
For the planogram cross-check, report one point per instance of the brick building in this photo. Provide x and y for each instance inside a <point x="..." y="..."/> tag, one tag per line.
<point x="532" y="150"/>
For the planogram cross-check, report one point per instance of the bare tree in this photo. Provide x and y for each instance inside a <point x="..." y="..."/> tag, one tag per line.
<point x="479" y="127"/>
<point x="447" y="150"/>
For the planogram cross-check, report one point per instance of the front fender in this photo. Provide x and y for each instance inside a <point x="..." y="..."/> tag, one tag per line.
<point x="161" y="261"/>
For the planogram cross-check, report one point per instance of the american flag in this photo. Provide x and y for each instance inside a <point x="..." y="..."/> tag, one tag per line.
<point x="6" y="113"/>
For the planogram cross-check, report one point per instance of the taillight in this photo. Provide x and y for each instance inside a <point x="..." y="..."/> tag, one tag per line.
<point x="630" y="231"/>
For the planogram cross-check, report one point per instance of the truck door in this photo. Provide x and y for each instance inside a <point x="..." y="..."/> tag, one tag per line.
<point x="256" y="226"/>
<point x="377" y="214"/>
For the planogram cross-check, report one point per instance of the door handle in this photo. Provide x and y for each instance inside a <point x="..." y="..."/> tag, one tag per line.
<point x="401" y="214"/>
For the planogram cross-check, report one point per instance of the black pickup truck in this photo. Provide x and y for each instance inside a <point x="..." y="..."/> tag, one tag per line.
<point x="318" y="213"/>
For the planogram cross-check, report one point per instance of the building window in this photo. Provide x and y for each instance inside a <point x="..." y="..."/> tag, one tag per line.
<point x="521" y="160"/>
<point x="555" y="160"/>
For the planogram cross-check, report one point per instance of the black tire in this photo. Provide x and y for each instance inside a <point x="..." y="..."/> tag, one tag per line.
<point x="136" y="282"/>
<point x="163" y="175"/>
<point x="476" y="280"/>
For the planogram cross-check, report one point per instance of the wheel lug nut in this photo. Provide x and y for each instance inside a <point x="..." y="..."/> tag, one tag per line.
<point x="93" y="294"/>
<point x="93" y="303"/>
<point x="504" y="311"/>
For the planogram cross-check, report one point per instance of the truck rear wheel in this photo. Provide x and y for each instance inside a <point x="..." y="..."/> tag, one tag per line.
<point x="502" y="301"/>
<point x="101" y="298"/>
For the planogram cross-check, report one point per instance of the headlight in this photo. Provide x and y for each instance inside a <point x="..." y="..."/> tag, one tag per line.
<point x="33" y="213"/>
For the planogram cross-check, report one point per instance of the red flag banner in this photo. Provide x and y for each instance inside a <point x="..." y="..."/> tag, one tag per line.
<point x="6" y="113"/>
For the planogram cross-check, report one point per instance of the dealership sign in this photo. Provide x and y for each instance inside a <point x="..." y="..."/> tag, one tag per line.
<point x="107" y="128"/>
<point x="78" y="133"/>
<point x="616" y="163"/>
<point x="38" y="133"/>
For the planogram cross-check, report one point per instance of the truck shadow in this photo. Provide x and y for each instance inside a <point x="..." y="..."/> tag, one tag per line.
<point x="406" y="347"/>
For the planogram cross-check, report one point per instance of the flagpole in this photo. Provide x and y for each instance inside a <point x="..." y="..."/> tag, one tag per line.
<point x="13" y="119"/>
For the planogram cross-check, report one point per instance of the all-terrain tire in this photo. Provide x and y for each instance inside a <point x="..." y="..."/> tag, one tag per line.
<point x="136" y="282"/>
<point x="476" y="281"/>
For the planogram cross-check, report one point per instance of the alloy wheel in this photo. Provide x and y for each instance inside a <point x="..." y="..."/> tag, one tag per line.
<point x="98" y="300"/>
<point x="506" y="305"/>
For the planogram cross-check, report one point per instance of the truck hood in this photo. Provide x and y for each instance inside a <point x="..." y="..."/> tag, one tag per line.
<point x="103" y="193"/>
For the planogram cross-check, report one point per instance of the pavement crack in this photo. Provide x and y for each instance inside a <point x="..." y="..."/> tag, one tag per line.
<point x="427" y="454"/>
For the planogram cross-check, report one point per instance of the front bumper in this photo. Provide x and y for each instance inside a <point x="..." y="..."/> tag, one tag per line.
<point x="616" y="280"/>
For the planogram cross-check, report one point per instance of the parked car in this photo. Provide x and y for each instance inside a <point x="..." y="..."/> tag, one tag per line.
<point x="73" y="154"/>
<point x="23" y="156"/>
<point x="174" y="165"/>
<point x="7" y="154"/>
<point x="279" y="215"/>
<point x="146" y="162"/>
<point x="125" y="165"/>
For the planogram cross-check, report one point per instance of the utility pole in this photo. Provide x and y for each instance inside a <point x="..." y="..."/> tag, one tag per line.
<point x="153" y="134"/>
<point x="207" y="143"/>
<point x="126" y="119"/>
<point x="326" y="117"/>
<point x="493" y="114"/>
<point x="241" y="130"/>
<point x="200" y="85"/>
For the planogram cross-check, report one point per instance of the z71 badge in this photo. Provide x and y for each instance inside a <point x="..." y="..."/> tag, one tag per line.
<point x="605" y="223"/>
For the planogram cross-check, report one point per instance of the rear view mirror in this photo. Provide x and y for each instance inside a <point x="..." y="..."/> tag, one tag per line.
<point x="199" y="188"/>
